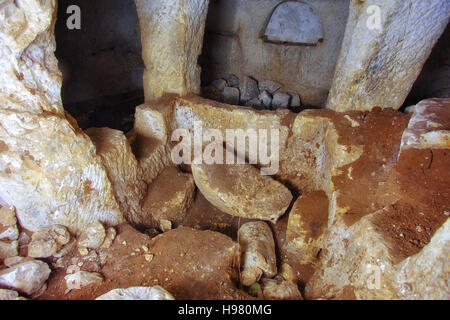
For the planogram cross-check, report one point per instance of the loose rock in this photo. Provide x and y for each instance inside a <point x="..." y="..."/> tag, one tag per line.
<point x="80" y="279"/>
<point x="258" y="252"/>
<point x="269" y="86"/>
<point x="27" y="277"/>
<point x="232" y="80"/>
<point x="138" y="293"/>
<point x="109" y="238"/>
<point x="231" y="95"/>
<point x="280" y="289"/>
<point x="8" y="249"/>
<point x="93" y="236"/>
<point x="8" y="294"/>
<point x="220" y="84"/>
<point x="266" y="99"/>
<point x="255" y="103"/>
<point x="47" y="241"/>
<point x="8" y="224"/>
<point x="281" y="101"/>
<point x="248" y="88"/>
<point x="241" y="190"/>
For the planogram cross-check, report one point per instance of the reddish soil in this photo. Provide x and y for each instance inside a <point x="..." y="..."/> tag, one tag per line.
<point x="191" y="264"/>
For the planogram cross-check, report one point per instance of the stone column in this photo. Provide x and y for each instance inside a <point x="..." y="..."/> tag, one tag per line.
<point x="172" y="38"/>
<point x="385" y="45"/>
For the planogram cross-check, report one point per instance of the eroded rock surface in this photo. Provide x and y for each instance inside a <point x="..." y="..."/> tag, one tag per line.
<point x="138" y="293"/>
<point x="28" y="277"/>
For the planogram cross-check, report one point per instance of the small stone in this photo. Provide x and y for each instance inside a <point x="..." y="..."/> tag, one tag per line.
<point x="255" y="103"/>
<point x="109" y="239"/>
<point x="8" y="216"/>
<point x="12" y="261"/>
<point x="83" y="251"/>
<point x="47" y="241"/>
<point x="27" y="277"/>
<point x="93" y="236"/>
<point x="24" y="239"/>
<point x="165" y="225"/>
<point x="232" y="80"/>
<point x="80" y="279"/>
<point x="148" y="257"/>
<point x="249" y="89"/>
<point x="8" y="295"/>
<point x="266" y="99"/>
<point x="281" y="101"/>
<point x="269" y="86"/>
<point x="295" y="100"/>
<point x="137" y="293"/>
<point x="8" y="224"/>
<point x="231" y="95"/>
<point x="280" y="289"/>
<point x="258" y="250"/>
<point x="212" y="93"/>
<point x="145" y="248"/>
<point x="220" y="84"/>
<point x="8" y="249"/>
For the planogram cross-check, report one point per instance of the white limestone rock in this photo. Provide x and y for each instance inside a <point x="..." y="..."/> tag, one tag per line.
<point x="137" y="293"/>
<point x="294" y="22"/>
<point x="80" y="279"/>
<point x="8" y="249"/>
<point x="8" y="224"/>
<point x="47" y="241"/>
<point x="93" y="236"/>
<point x="28" y="277"/>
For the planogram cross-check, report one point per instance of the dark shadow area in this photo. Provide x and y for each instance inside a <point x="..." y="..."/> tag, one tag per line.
<point x="434" y="80"/>
<point x="101" y="63"/>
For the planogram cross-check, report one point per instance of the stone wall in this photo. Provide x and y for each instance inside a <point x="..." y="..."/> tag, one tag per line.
<point x="233" y="44"/>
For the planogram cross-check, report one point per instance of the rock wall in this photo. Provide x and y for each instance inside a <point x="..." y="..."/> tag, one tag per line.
<point x="234" y="44"/>
<point x="48" y="167"/>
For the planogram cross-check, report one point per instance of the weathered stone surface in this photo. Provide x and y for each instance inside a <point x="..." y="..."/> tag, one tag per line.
<point x="28" y="277"/>
<point x="232" y="80"/>
<point x="254" y="103"/>
<point x="12" y="261"/>
<point x="280" y="289"/>
<point x="295" y="100"/>
<point x="307" y="225"/>
<point x="8" y="294"/>
<point x="231" y="95"/>
<point x="172" y="38"/>
<point x="266" y="99"/>
<point x="220" y="84"/>
<point x="8" y="249"/>
<point x="269" y="85"/>
<point x="248" y="88"/>
<point x="109" y="238"/>
<point x="81" y="278"/>
<point x="314" y="152"/>
<point x="168" y="198"/>
<point x="213" y="115"/>
<point x="281" y="100"/>
<point x="8" y="224"/>
<point x="429" y="126"/>
<point x="138" y="293"/>
<point x="121" y="167"/>
<point x="430" y="266"/>
<point x="294" y="22"/>
<point x="48" y="165"/>
<point x="47" y="241"/>
<point x="258" y="252"/>
<point x="241" y="190"/>
<point x="93" y="236"/>
<point x="378" y="64"/>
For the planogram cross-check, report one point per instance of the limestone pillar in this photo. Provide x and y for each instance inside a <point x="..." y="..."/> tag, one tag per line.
<point x="172" y="38"/>
<point x="385" y="45"/>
